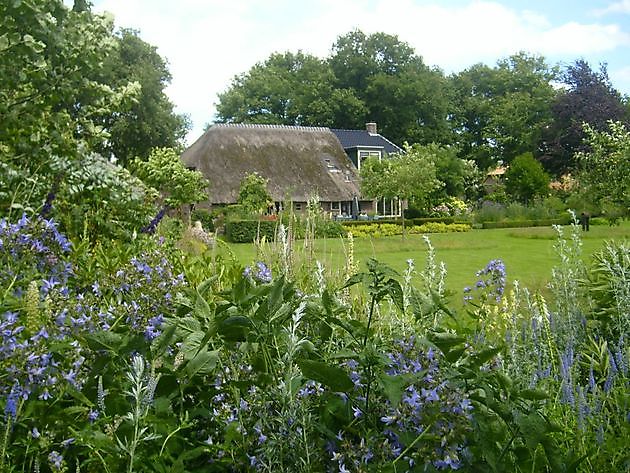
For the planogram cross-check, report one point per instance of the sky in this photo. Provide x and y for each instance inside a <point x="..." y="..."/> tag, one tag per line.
<point x="208" y="42"/>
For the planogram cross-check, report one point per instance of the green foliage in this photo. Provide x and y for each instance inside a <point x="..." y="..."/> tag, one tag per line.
<point x="608" y="286"/>
<point x="140" y="353"/>
<point x="589" y="97"/>
<point x="377" y="230"/>
<point x="527" y="223"/>
<point x="408" y="99"/>
<point x="526" y="179"/>
<point x="289" y="89"/>
<point x="605" y="169"/>
<point x="149" y="121"/>
<point x="500" y="112"/>
<point x="164" y="171"/>
<point x="410" y="175"/>
<point x="51" y="95"/>
<point x="247" y="231"/>
<point x="375" y="77"/>
<point x="253" y="195"/>
<point x="96" y="198"/>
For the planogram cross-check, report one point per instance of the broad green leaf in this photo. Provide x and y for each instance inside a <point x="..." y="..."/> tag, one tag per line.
<point x="276" y="298"/>
<point x="204" y="362"/>
<point x="533" y="394"/>
<point x="202" y="309"/>
<point x="104" y="340"/>
<point x="332" y="376"/>
<point x="396" y="293"/>
<point x="478" y="359"/>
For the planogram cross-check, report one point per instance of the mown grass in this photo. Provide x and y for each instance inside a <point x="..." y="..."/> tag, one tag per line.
<point x="528" y="253"/>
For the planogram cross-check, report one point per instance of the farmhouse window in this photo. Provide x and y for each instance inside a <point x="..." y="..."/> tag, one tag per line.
<point x="363" y="155"/>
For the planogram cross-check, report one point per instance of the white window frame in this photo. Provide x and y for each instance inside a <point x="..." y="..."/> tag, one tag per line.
<point x="363" y="154"/>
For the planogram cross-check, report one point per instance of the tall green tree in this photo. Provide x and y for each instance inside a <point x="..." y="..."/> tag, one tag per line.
<point x="149" y="121"/>
<point x="366" y="78"/>
<point x="288" y="89"/>
<point x="526" y="179"/>
<point x="589" y="97"/>
<point x="500" y="112"/>
<point x="408" y="99"/>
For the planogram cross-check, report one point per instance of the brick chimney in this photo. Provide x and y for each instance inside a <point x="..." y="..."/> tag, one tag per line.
<point x="371" y="128"/>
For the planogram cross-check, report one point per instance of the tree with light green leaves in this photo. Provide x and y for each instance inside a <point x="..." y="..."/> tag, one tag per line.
<point x="253" y="195"/>
<point x="165" y="172"/>
<point x="410" y="176"/>
<point x="604" y="170"/>
<point x="50" y="96"/>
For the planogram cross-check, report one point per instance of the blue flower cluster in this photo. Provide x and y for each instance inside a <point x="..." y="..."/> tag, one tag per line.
<point x="429" y="408"/>
<point x="33" y="249"/>
<point x="45" y="316"/>
<point x="491" y="283"/>
<point x="261" y="273"/>
<point x="142" y="293"/>
<point x="37" y="358"/>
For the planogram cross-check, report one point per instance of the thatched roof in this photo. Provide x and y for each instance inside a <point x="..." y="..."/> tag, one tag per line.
<point x="297" y="162"/>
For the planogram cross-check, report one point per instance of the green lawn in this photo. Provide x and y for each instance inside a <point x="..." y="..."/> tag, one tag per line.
<point x="528" y="253"/>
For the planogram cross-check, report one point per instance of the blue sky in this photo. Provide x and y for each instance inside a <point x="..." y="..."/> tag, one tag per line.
<point x="208" y="42"/>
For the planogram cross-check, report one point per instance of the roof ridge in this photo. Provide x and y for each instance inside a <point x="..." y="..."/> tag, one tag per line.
<point x="347" y="129"/>
<point x="270" y="126"/>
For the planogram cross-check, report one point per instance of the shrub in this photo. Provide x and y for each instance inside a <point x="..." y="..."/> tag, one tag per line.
<point x="423" y="220"/>
<point x="439" y="227"/>
<point x="247" y="231"/>
<point x="327" y="228"/>
<point x="378" y="230"/>
<point x="359" y="223"/>
<point x="527" y="223"/>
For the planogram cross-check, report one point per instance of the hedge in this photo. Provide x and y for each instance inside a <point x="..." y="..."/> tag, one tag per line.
<point x="246" y="231"/>
<point x="527" y="223"/>
<point x="377" y="230"/>
<point x="360" y="223"/>
<point x="399" y="221"/>
<point x="423" y="220"/>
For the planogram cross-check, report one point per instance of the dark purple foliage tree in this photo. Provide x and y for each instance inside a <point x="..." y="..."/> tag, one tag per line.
<point x="590" y="98"/>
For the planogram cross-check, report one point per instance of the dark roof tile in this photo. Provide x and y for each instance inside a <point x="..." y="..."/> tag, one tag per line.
<point x="358" y="138"/>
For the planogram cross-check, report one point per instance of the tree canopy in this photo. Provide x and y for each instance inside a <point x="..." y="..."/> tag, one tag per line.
<point x="409" y="176"/>
<point x="499" y="112"/>
<point x="588" y="97"/>
<point x="69" y="87"/>
<point x="288" y="89"/>
<point x="366" y="78"/>
<point x="149" y="121"/>
<point x="526" y="179"/>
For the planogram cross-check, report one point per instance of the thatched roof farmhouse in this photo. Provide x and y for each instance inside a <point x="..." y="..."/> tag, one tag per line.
<point x="297" y="162"/>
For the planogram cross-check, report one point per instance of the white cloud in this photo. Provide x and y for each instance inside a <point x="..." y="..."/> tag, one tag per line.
<point x="618" y="7"/>
<point x="208" y="42"/>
